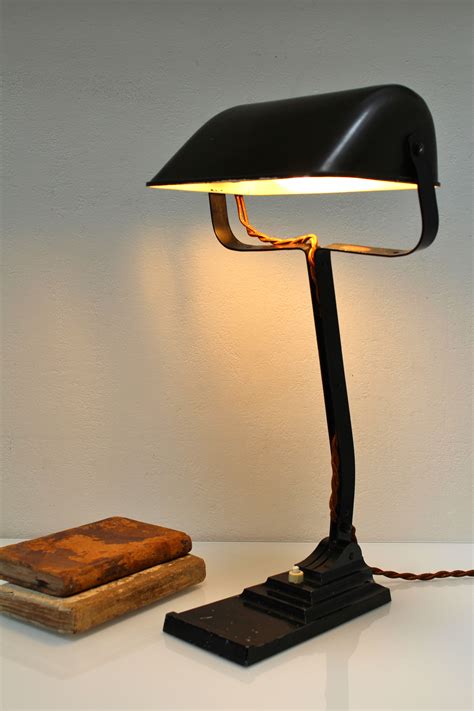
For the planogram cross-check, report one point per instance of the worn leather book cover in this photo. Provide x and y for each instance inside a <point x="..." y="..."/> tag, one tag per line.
<point x="81" y="558"/>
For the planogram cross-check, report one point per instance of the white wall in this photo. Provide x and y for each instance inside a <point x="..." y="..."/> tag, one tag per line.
<point x="151" y="373"/>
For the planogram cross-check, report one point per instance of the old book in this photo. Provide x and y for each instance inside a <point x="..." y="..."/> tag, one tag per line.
<point x="81" y="558"/>
<point x="77" y="613"/>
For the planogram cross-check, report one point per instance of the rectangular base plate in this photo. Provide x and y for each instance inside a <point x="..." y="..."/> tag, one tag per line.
<point x="237" y="631"/>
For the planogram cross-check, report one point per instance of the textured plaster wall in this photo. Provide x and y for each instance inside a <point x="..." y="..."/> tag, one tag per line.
<point x="149" y="372"/>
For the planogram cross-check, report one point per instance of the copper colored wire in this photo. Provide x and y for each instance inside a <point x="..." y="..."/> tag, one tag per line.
<point x="424" y="576"/>
<point x="310" y="242"/>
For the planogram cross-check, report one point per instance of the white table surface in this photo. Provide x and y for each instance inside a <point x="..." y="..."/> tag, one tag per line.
<point x="415" y="653"/>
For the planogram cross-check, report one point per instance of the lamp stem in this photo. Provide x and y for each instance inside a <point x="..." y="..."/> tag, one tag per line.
<point x="335" y="395"/>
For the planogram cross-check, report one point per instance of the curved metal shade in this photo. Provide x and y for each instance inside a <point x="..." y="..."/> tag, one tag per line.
<point x="308" y="144"/>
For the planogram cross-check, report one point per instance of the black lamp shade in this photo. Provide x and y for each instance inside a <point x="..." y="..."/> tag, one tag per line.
<point x="361" y="133"/>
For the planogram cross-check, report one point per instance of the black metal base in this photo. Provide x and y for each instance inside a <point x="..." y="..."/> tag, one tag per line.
<point x="269" y="618"/>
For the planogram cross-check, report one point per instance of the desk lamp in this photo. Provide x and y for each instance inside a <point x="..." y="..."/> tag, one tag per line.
<point x="374" y="138"/>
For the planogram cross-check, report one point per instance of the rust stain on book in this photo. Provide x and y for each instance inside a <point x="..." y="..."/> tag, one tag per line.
<point x="81" y="558"/>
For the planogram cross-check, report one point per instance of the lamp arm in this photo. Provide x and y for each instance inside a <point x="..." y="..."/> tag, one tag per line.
<point x="428" y="209"/>
<point x="426" y="200"/>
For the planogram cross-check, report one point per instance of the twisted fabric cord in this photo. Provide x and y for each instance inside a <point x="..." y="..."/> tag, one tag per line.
<point x="311" y="242"/>
<point x="424" y="576"/>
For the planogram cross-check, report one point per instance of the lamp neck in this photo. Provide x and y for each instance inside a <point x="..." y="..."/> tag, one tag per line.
<point x="335" y="395"/>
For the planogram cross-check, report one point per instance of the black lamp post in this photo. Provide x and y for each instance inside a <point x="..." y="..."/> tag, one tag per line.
<point x="375" y="138"/>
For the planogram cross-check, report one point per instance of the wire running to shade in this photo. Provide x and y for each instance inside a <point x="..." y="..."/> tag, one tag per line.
<point x="309" y="242"/>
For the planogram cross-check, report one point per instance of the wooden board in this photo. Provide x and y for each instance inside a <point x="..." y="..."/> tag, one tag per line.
<point x="77" y="559"/>
<point x="77" y="613"/>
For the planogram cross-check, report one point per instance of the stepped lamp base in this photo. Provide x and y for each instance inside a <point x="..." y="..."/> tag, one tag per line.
<point x="276" y="615"/>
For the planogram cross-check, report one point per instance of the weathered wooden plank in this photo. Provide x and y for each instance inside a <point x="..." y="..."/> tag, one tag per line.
<point x="77" y="613"/>
<point x="77" y="559"/>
